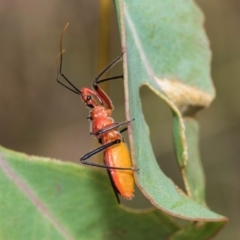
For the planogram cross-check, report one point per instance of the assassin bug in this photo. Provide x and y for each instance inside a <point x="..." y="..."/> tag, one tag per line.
<point x="117" y="159"/>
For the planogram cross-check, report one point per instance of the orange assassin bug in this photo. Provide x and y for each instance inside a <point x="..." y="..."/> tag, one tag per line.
<point x="117" y="160"/>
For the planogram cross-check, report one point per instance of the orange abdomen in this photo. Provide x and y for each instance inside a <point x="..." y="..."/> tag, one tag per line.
<point x="119" y="156"/>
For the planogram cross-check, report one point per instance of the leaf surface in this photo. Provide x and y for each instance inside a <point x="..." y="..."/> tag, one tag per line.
<point x="167" y="49"/>
<point x="42" y="198"/>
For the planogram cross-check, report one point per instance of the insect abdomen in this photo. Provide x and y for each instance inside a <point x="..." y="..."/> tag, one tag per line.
<point x="119" y="156"/>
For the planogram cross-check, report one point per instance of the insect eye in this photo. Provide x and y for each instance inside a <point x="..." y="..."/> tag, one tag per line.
<point x="89" y="98"/>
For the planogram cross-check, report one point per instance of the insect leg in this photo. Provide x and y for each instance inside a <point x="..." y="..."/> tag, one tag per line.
<point x="123" y="130"/>
<point x="97" y="150"/>
<point x="112" y="126"/>
<point x="99" y="91"/>
<point x="115" y="190"/>
<point x="109" y="79"/>
<point x="109" y="66"/>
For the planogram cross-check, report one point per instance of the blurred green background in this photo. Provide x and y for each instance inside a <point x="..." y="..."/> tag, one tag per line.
<point x="40" y="117"/>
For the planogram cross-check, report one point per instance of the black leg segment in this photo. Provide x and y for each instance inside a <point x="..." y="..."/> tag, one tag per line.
<point x="113" y="126"/>
<point x="109" y="79"/>
<point x="109" y="66"/>
<point x="97" y="150"/>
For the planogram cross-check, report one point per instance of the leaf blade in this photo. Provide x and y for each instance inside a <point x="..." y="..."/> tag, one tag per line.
<point x="145" y="39"/>
<point x="79" y="199"/>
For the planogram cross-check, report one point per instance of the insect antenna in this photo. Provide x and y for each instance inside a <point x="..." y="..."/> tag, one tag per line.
<point x="59" y="69"/>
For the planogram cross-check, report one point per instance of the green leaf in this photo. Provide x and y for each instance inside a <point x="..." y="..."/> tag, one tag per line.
<point x="167" y="50"/>
<point x="198" y="231"/>
<point x="42" y="198"/>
